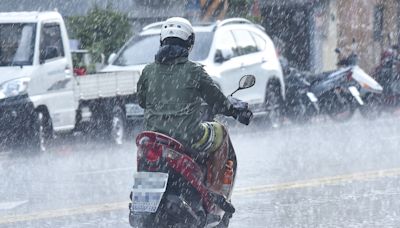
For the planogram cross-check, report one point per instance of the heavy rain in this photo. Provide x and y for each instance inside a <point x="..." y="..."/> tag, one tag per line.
<point x="199" y="113"/>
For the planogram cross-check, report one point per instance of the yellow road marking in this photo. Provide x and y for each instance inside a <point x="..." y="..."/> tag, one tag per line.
<point x="361" y="176"/>
<point x="90" y="209"/>
<point x="98" y="208"/>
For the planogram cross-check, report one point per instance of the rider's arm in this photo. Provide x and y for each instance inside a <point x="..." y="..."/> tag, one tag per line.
<point x="141" y="89"/>
<point x="212" y="95"/>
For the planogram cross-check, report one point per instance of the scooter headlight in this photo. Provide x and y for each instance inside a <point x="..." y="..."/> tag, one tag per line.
<point x="14" y="87"/>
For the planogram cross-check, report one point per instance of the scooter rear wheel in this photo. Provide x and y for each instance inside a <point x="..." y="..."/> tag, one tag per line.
<point x="225" y="221"/>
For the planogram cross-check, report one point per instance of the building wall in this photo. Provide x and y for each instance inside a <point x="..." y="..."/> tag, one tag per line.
<point x="330" y="37"/>
<point x="356" y="19"/>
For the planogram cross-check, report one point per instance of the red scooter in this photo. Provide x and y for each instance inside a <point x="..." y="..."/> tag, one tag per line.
<point x="174" y="189"/>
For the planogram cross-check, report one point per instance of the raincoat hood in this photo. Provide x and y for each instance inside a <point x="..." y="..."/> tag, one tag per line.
<point x="172" y="54"/>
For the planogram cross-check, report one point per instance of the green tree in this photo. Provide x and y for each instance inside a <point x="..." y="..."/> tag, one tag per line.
<point x="239" y="8"/>
<point x="101" y="30"/>
<point x="242" y="8"/>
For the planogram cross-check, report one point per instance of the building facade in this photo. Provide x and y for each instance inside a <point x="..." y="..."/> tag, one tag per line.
<point x="309" y="30"/>
<point x="312" y="29"/>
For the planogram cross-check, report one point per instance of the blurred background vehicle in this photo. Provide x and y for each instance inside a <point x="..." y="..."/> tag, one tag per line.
<point x="342" y="91"/>
<point x="227" y="49"/>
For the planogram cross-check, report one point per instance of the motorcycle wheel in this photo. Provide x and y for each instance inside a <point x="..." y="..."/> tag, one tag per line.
<point x="299" y="112"/>
<point x="341" y="109"/>
<point x="372" y="108"/>
<point x="273" y="105"/>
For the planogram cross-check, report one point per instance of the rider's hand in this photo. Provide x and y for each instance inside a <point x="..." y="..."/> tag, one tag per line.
<point x="240" y="110"/>
<point x="244" y="117"/>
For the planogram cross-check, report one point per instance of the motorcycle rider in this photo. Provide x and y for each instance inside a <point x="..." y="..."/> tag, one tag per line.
<point x="171" y="90"/>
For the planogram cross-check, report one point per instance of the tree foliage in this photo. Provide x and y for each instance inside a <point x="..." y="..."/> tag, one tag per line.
<point x="101" y="30"/>
<point x="239" y="8"/>
<point x="242" y="8"/>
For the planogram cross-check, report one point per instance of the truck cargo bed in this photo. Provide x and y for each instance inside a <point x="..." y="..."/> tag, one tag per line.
<point x="103" y="85"/>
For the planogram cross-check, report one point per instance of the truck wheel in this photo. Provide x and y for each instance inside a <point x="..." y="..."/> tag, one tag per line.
<point x="117" y="126"/>
<point x="40" y="136"/>
<point x="273" y="105"/>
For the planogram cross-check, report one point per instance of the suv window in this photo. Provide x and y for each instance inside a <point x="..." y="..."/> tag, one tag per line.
<point x="142" y="49"/>
<point x="51" y="45"/>
<point x="245" y="42"/>
<point x="225" y="41"/>
<point x="260" y="42"/>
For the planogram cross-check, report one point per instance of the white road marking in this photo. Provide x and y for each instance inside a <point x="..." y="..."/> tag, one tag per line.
<point x="11" y="205"/>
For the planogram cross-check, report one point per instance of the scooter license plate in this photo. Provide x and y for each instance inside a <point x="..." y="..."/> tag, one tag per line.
<point x="148" y="190"/>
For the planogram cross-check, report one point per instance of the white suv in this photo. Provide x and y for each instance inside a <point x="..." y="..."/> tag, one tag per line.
<point x="228" y="50"/>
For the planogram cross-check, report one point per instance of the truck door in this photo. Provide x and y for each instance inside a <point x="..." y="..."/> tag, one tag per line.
<point x="56" y="80"/>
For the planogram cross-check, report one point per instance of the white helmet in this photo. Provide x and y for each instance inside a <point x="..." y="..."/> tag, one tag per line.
<point x="177" y="27"/>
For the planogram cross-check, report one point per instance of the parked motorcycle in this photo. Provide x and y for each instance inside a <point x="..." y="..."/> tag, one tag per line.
<point x="342" y="91"/>
<point x="300" y="103"/>
<point x="174" y="189"/>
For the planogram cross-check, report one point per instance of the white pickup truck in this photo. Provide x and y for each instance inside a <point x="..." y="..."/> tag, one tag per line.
<point x="40" y="96"/>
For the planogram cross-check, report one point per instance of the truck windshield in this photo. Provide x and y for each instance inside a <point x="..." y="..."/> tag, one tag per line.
<point x="142" y="49"/>
<point x="17" y="43"/>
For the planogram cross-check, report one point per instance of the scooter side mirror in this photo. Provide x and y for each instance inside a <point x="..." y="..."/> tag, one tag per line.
<point x="247" y="81"/>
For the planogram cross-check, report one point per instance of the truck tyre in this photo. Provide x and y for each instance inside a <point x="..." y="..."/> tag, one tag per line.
<point x="274" y="104"/>
<point x="41" y="134"/>
<point x="117" y="126"/>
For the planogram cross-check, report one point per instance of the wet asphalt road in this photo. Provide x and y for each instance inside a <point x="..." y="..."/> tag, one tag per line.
<point x="322" y="175"/>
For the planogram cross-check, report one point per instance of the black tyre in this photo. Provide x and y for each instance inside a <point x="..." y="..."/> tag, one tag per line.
<point x="372" y="108"/>
<point x="299" y="112"/>
<point x="274" y="105"/>
<point x="38" y="139"/>
<point x="225" y="221"/>
<point x="141" y="220"/>
<point x="341" y="107"/>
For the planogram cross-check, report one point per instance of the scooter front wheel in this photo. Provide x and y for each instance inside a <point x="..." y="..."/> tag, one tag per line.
<point x="141" y="220"/>
<point x="372" y="108"/>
